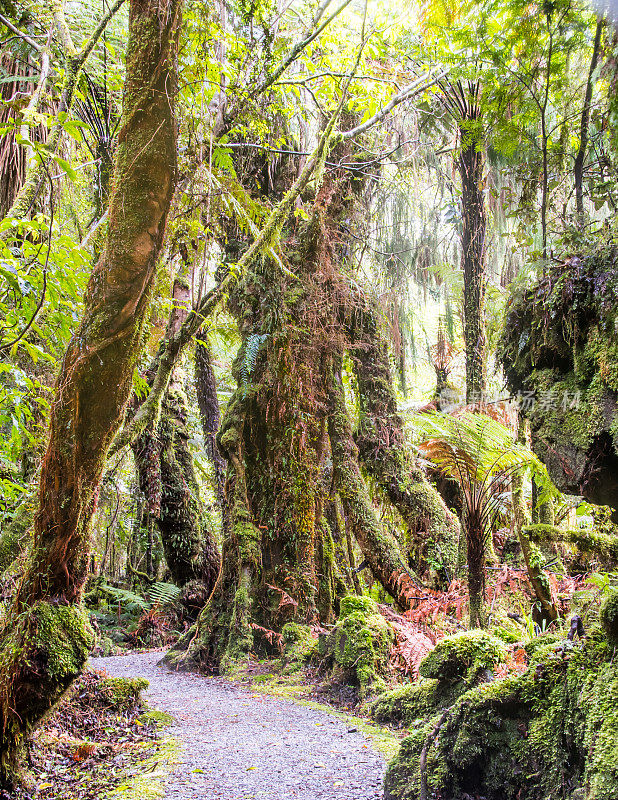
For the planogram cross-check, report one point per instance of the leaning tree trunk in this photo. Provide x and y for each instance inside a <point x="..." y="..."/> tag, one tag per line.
<point x="381" y="442"/>
<point x="45" y="637"/>
<point x="474" y="219"/>
<point x="380" y="549"/>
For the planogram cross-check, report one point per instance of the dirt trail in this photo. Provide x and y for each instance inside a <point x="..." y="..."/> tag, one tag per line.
<point x="241" y="746"/>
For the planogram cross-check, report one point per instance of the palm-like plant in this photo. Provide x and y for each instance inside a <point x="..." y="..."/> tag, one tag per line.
<point x="482" y="455"/>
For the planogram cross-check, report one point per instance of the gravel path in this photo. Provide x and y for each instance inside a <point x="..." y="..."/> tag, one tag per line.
<point x="242" y="746"/>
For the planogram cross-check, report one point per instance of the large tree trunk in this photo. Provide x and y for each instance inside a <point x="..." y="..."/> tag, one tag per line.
<point x="45" y="637"/>
<point x="282" y="427"/>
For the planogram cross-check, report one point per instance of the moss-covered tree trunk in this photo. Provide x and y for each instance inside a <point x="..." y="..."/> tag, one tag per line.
<point x="45" y="638"/>
<point x="167" y="479"/>
<point x="475" y="549"/>
<point x="284" y="425"/>
<point x="433" y="529"/>
<point x="379" y="548"/>
<point x="166" y="472"/>
<point x="210" y="417"/>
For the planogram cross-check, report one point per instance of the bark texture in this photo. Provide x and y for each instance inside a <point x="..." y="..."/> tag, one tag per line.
<point x="474" y="219"/>
<point x="45" y="636"/>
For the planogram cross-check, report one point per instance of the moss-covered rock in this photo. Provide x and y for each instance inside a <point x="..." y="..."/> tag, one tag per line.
<point x="454" y="665"/>
<point x="405" y="705"/>
<point x="359" y="645"/>
<point x="299" y="645"/>
<point x="463" y="656"/>
<point x="549" y="734"/>
<point x="609" y="616"/>
<point x="123" y="693"/>
<point x="559" y="351"/>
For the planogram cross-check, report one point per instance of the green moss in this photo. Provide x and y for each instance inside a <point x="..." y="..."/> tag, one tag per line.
<point x="123" y="692"/>
<point x="359" y="644"/>
<point x="64" y="634"/>
<point x="159" y="718"/>
<point x="450" y="669"/>
<point x="559" y="348"/>
<point x="299" y="645"/>
<point x="53" y="641"/>
<point x="408" y="704"/>
<point x="353" y="602"/>
<point x="148" y="782"/>
<point x="550" y="734"/>
<point x="609" y="616"/>
<point x="506" y="629"/>
<point x="597" y="541"/>
<point x="463" y="655"/>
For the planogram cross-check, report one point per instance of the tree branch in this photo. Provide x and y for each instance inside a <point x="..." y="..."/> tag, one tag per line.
<point x="405" y="94"/>
<point x="8" y="24"/>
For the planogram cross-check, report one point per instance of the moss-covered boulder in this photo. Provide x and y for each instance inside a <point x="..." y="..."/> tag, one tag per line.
<point x="559" y="351"/>
<point x="463" y="656"/>
<point x="406" y="705"/>
<point x="549" y="734"/>
<point x="609" y="616"/>
<point x="454" y="665"/>
<point x="358" y="647"/>
<point x="299" y="645"/>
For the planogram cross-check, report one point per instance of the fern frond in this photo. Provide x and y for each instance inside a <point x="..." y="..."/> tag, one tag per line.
<point x="252" y="348"/>
<point x="125" y="597"/>
<point x="163" y="593"/>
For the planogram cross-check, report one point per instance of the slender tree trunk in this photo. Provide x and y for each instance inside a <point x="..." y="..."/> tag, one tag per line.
<point x="210" y="416"/>
<point x="580" y="158"/>
<point x="45" y="637"/>
<point x="474" y="218"/>
<point x="475" y="541"/>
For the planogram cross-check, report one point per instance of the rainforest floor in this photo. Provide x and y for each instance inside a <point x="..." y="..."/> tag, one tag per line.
<point x="231" y="740"/>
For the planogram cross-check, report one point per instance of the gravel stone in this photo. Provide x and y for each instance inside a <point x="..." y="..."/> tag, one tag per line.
<point x="237" y="745"/>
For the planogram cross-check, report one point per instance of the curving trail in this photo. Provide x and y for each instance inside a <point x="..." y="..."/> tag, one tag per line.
<point x="241" y="746"/>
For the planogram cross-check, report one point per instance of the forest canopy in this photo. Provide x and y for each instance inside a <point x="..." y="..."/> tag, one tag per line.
<point x="308" y="349"/>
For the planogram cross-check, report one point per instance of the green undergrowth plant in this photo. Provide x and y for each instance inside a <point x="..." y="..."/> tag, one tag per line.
<point x="357" y="649"/>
